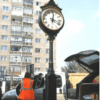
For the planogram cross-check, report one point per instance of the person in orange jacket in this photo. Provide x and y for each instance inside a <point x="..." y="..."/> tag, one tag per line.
<point x="27" y="88"/>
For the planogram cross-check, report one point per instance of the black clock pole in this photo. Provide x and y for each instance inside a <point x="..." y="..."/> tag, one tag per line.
<point x="51" y="70"/>
<point x="49" y="92"/>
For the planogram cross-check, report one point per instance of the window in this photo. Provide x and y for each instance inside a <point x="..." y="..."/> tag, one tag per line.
<point x="47" y="60"/>
<point x="15" y="48"/>
<point x="2" y="68"/>
<point x="5" y="0"/>
<point x="36" y="20"/>
<point x="28" y="19"/>
<point x="37" y="50"/>
<point x="37" y="60"/>
<point x="37" y="69"/>
<point x="5" y="17"/>
<point x="3" y="58"/>
<point x="28" y="10"/>
<point x="16" y="38"/>
<point x="58" y="81"/>
<point x="27" y="59"/>
<point x="38" y="30"/>
<point x="37" y="40"/>
<point x="3" y="47"/>
<point x="28" y="2"/>
<point x="26" y="49"/>
<point x="16" y="20"/>
<point x="46" y="69"/>
<point x="27" y="29"/>
<point x="38" y="3"/>
<point x="16" y="0"/>
<point x="47" y="41"/>
<point x="16" y="28"/>
<point x="4" y="37"/>
<point x="27" y="40"/>
<point x="16" y="68"/>
<point x="15" y="58"/>
<point x="5" y="8"/>
<point x="47" y="50"/>
<point x="4" y="27"/>
<point x="37" y="12"/>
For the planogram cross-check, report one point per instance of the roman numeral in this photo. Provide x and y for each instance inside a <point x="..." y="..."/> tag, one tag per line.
<point x="59" y="23"/>
<point x="59" y="20"/>
<point x="48" y="25"/>
<point x="58" y="16"/>
<point x="44" y="18"/>
<point x="45" y="22"/>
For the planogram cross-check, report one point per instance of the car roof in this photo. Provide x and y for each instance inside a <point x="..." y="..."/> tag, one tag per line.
<point x="88" y="58"/>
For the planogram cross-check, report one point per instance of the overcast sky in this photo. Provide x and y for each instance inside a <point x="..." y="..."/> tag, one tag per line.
<point x="81" y="28"/>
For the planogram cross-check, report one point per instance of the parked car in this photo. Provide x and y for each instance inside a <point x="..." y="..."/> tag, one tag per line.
<point x="89" y="60"/>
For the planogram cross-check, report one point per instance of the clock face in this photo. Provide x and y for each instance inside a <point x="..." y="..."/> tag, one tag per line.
<point x="52" y="19"/>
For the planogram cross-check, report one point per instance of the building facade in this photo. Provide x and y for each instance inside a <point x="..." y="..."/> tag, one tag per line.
<point x="22" y="42"/>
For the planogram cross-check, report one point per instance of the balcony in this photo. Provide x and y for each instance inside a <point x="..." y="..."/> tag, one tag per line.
<point x="27" y="44"/>
<point x="15" y="52"/>
<point x="28" y="23"/>
<point x="28" y="15"/>
<point x="27" y="53"/>
<point x="16" y="23"/>
<point x="17" y="13"/>
<point x="27" y="35"/>
<point x="16" y="42"/>
<point x="15" y="63"/>
<point x="16" y="32"/>
<point x="26" y="63"/>
<point x="30" y="5"/>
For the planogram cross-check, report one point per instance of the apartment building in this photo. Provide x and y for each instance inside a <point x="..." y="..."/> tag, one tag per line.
<point x="22" y="42"/>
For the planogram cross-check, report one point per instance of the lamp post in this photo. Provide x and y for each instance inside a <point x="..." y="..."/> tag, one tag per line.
<point x="51" y="22"/>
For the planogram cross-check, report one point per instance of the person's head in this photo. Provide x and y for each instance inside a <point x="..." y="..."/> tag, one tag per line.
<point x="40" y="74"/>
<point x="27" y="75"/>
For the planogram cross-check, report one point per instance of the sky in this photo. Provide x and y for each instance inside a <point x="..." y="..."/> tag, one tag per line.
<point x="81" y="28"/>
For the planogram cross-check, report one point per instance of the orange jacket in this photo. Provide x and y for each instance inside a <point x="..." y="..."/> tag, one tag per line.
<point x="27" y="92"/>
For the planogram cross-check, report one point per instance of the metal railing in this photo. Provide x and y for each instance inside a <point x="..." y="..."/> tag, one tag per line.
<point x="15" y="63"/>
<point x="15" y="52"/>
<point x="15" y="42"/>
<point x="27" y="34"/>
<point x="16" y="32"/>
<point x="27" y="43"/>
<point x="18" y="23"/>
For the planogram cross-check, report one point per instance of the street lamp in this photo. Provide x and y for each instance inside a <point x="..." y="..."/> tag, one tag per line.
<point x="51" y="22"/>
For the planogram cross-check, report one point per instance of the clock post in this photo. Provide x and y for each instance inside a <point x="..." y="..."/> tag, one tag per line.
<point x="51" y="22"/>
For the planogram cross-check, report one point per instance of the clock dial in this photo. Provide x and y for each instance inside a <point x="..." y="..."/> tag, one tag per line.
<point x="52" y="19"/>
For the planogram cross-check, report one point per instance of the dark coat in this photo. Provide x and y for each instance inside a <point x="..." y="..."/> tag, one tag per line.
<point x="0" y="93"/>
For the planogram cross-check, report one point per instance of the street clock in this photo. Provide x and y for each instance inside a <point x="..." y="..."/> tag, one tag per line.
<point x="51" y="19"/>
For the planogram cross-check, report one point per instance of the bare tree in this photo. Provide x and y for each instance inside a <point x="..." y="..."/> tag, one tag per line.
<point x="73" y="67"/>
<point x="10" y="72"/>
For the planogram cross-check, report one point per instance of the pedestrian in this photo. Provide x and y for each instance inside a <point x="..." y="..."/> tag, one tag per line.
<point x="38" y="80"/>
<point x="27" y="88"/>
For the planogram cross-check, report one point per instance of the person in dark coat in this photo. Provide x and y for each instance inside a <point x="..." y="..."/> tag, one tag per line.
<point x="38" y="80"/>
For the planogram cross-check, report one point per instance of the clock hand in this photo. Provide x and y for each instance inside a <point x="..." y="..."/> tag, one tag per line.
<point x="52" y="19"/>
<point x="58" y="22"/>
